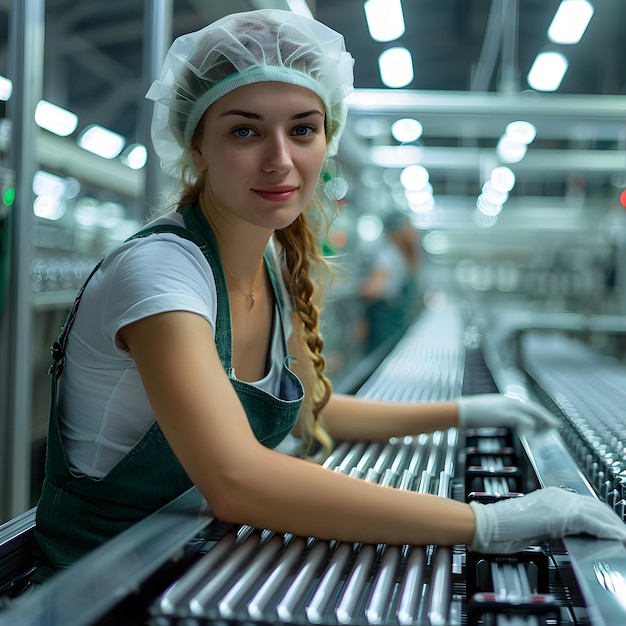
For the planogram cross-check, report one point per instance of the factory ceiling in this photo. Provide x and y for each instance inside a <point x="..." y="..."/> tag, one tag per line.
<point x="470" y="57"/>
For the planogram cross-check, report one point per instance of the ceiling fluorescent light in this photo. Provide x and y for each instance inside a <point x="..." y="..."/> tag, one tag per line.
<point x="547" y="71"/>
<point x="396" y="67"/>
<point x="55" y="119"/>
<point x="570" y="21"/>
<point x="48" y="184"/>
<point x="521" y="131"/>
<point x="135" y="156"/>
<point x="101" y="141"/>
<point x="385" y="20"/>
<point x="406" y="130"/>
<point x="414" y="177"/>
<point x="6" y="88"/>
<point x="502" y="179"/>
<point x="510" y="151"/>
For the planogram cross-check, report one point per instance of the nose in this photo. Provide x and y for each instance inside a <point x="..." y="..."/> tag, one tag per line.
<point x="277" y="157"/>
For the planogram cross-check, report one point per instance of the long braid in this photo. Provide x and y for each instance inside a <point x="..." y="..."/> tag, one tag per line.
<point x="299" y="248"/>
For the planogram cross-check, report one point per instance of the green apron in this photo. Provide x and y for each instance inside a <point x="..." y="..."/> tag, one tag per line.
<point x="78" y="513"/>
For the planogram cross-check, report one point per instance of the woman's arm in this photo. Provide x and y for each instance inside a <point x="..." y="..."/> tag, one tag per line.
<point x="244" y="482"/>
<point x="350" y="418"/>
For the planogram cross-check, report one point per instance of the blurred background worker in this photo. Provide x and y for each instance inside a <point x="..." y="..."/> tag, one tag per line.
<point x="390" y="289"/>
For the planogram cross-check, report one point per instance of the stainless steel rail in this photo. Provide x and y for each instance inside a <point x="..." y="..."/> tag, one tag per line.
<point x="85" y="592"/>
<point x="550" y="457"/>
<point x="15" y="533"/>
<point x="16" y="562"/>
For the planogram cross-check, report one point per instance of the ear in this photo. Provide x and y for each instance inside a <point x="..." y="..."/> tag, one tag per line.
<point x="198" y="158"/>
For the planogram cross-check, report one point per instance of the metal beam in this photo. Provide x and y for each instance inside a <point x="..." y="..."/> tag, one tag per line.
<point x="589" y="108"/>
<point x="26" y="70"/>
<point x="157" y="39"/>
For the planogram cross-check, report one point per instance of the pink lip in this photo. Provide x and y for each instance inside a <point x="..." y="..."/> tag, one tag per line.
<point x="276" y="194"/>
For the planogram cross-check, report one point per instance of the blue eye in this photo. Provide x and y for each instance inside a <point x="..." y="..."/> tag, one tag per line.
<point x="304" y="131"/>
<point x="243" y="132"/>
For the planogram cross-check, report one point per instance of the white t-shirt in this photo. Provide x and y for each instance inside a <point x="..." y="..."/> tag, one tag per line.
<point x="103" y="408"/>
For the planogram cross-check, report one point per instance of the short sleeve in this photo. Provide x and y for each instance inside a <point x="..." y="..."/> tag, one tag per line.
<point x="156" y="274"/>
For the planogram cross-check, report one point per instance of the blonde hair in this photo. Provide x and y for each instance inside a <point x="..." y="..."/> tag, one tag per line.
<point x="301" y="260"/>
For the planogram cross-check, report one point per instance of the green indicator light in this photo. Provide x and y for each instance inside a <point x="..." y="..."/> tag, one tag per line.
<point x="8" y="196"/>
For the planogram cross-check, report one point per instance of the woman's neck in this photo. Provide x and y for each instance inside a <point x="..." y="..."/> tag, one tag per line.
<point x="241" y="245"/>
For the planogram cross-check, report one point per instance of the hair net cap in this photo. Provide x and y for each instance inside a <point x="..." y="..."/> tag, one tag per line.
<point x="238" y="50"/>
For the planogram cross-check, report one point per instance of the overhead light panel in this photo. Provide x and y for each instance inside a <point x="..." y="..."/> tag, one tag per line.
<point x="101" y="141"/>
<point x="135" y="156"/>
<point x="521" y="131"/>
<point x="547" y="71"/>
<point x="414" y="177"/>
<point x="570" y="21"/>
<point x="396" y="67"/>
<point x="385" y="19"/>
<point x="420" y="201"/>
<point x="510" y="151"/>
<point x="55" y="119"/>
<point x="406" y="130"/>
<point x="50" y="190"/>
<point x="49" y="208"/>
<point x="6" y="88"/>
<point x="47" y="184"/>
<point x="487" y="207"/>
<point x="513" y="144"/>
<point x="493" y="195"/>
<point x="502" y="179"/>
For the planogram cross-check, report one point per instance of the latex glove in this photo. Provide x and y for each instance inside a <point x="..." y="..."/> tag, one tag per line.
<point x="494" y="409"/>
<point x="511" y="525"/>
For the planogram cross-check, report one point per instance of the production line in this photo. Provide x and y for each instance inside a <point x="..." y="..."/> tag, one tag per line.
<point x="165" y="572"/>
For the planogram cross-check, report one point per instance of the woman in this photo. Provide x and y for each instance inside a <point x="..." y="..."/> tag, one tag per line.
<point x="390" y="289"/>
<point x="195" y="349"/>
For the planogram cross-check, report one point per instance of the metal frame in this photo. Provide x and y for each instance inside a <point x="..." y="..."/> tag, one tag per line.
<point x="83" y="593"/>
<point x="596" y="563"/>
<point x="26" y="63"/>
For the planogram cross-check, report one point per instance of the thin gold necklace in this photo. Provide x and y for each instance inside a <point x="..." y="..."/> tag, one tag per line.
<point x="249" y="294"/>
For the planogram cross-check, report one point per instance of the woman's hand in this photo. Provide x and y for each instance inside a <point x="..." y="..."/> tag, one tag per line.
<point x="511" y="525"/>
<point x="494" y="409"/>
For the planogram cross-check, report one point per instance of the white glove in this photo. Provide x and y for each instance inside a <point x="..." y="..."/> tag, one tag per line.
<point x="511" y="525"/>
<point x="494" y="409"/>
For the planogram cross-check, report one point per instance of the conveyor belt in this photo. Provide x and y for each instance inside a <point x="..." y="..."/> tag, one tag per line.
<point x="165" y="572"/>
<point x="587" y="389"/>
<point x="298" y="580"/>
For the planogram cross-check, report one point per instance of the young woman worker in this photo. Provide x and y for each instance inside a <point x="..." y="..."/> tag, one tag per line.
<point x="195" y="349"/>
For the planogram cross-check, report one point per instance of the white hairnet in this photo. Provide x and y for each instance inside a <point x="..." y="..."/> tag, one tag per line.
<point x="237" y="50"/>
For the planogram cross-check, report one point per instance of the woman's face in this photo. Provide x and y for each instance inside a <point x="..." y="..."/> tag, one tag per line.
<point x="262" y="148"/>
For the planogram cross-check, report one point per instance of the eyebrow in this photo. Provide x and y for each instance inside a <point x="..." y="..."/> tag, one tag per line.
<point x="256" y="116"/>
